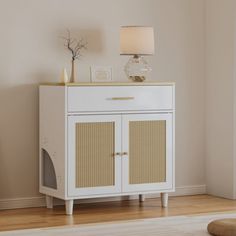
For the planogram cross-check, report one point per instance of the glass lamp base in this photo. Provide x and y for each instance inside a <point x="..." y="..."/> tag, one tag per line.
<point x="137" y="68"/>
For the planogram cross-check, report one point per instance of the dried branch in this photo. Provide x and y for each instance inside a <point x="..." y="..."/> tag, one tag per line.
<point x="74" y="46"/>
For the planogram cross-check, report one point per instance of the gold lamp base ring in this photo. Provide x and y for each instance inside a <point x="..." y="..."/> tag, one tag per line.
<point x="137" y="78"/>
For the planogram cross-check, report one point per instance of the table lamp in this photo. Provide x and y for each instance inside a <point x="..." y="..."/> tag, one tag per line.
<point x="137" y="41"/>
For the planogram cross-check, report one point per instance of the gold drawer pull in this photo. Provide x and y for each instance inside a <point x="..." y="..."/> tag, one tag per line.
<point x="122" y="98"/>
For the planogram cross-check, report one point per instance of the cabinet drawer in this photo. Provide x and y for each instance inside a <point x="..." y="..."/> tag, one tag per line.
<point x="119" y="98"/>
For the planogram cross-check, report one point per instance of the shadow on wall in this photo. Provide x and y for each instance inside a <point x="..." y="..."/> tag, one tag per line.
<point x="19" y="141"/>
<point x="19" y="106"/>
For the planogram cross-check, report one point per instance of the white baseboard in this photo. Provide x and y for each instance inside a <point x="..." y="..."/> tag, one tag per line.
<point x="189" y="190"/>
<point x="14" y="203"/>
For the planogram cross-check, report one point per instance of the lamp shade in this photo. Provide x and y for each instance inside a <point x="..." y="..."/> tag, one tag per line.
<point x="136" y="40"/>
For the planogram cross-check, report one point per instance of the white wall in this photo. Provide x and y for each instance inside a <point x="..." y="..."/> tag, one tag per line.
<point x="220" y="97"/>
<point x="31" y="52"/>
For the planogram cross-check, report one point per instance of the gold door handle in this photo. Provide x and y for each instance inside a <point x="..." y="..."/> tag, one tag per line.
<point x="117" y="154"/>
<point x="122" y="98"/>
<point x="124" y="153"/>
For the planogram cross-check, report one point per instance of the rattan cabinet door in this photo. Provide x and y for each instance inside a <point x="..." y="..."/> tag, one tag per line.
<point x="147" y="162"/>
<point x="93" y="166"/>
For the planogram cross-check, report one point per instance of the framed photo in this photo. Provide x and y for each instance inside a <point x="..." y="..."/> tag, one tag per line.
<point x="101" y="73"/>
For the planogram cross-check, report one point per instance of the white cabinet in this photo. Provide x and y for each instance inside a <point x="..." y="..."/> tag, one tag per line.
<point x="103" y="140"/>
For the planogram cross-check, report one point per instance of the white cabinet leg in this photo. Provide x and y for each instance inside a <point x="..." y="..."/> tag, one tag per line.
<point x="141" y="197"/>
<point x="69" y="207"/>
<point x="49" y="202"/>
<point x="164" y="199"/>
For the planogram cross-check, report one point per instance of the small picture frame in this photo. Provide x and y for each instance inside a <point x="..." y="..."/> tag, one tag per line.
<point x="101" y="73"/>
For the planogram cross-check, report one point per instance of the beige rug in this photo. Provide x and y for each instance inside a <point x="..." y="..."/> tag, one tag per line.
<point x="167" y="226"/>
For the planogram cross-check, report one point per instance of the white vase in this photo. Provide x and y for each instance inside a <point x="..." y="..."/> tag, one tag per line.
<point x="64" y="76"/>
<point x="73" y="72"/>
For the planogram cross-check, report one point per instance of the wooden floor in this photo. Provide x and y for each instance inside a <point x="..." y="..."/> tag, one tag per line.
<point x="112" y="211"/>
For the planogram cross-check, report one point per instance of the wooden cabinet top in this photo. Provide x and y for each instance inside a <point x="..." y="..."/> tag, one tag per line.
<point x="151" y="83"/>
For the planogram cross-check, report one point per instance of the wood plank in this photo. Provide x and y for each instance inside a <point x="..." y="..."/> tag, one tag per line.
<point x="112" y="211"/>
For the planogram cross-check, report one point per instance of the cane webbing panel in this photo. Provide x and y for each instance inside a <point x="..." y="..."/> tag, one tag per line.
<point x="147" y="152"/>
<point x="94" y="154"/>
